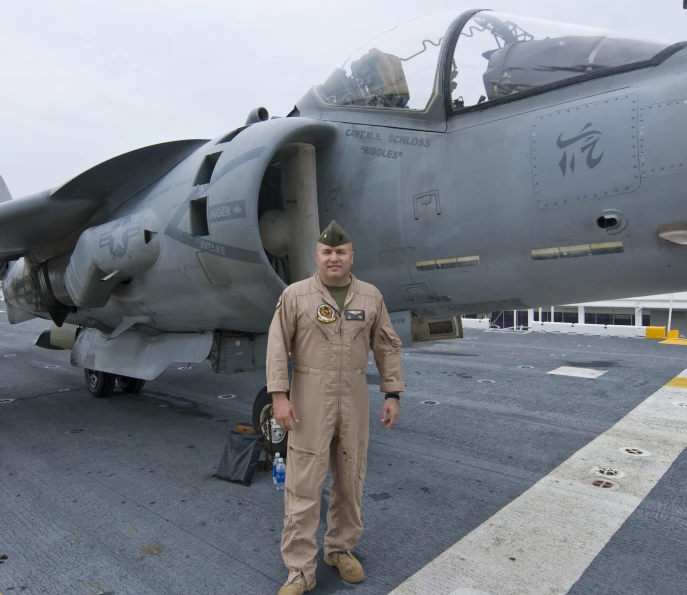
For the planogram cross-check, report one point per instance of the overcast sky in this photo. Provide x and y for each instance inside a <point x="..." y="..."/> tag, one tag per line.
<point x="85" y="80"/>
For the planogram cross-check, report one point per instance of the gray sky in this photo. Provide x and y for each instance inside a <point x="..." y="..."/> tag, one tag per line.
<point x="85" y="80"/>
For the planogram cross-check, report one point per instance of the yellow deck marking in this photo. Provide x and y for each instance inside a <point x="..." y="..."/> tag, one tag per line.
<point x="678" y="383"/>
<point x="674" y="342"/>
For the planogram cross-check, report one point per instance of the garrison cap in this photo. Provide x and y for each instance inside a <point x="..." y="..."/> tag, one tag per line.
<point x="334" y="235"/>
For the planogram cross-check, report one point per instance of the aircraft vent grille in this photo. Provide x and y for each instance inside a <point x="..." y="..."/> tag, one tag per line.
<point x="199" y="217"/>
<point x="204" y="174"/>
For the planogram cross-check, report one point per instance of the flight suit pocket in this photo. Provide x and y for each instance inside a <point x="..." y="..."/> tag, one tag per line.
<point x="389" y="336"/>
<point x="314" y="347"/>
<point x="303" y="474"/>
<point x="360" y="348"/>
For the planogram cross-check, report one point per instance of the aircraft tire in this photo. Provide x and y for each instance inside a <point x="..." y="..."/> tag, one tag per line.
<point x="262" y="407"/>
<point x="130" y="385"/>
<point x="99" y="384"/>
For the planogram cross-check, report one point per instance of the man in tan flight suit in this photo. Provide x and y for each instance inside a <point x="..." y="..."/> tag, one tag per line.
<point x="327" y="324"/>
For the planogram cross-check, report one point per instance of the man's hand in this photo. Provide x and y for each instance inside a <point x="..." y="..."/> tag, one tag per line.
<point x="390" y="412"/>
<point x="283" y="410"/>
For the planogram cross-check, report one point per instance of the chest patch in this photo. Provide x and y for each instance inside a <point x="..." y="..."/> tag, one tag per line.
<point x="354" y="314"/>
<point x="326" y="314"/>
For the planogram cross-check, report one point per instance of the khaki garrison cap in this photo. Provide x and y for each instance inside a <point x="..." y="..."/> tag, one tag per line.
<point x="334" y="235"/>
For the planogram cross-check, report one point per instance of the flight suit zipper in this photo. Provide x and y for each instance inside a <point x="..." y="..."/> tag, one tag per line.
<point x="338" y="392"/>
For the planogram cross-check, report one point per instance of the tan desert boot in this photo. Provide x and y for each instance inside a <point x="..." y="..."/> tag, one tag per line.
<point x="350" y="569"/>
<point x="296" y="588"/>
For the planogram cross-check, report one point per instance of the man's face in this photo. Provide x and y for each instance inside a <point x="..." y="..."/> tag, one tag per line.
<point x="334" y="264"/>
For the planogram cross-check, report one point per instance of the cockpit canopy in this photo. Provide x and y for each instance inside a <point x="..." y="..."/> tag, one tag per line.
<point x="395" y="70"/>
<point x="495" y="55"/>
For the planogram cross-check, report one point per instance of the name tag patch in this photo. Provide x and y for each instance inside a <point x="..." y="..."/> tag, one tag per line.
<point x="354" y="314"/>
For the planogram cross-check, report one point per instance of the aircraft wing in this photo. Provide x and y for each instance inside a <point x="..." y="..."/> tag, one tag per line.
<point x="47" y="217"/>
<point x="4" y="192"/>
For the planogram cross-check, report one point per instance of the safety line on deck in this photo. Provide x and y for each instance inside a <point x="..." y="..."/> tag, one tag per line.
<point x="543" y="541"/>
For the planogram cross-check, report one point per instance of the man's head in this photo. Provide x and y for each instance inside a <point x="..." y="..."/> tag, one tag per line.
<point x="334" y="255"/>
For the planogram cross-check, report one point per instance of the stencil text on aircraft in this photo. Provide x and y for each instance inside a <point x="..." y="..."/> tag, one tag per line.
<point x="235" y="209"/>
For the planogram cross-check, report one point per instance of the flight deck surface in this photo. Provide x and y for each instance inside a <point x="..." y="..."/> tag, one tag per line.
<point x="116" y="496"/>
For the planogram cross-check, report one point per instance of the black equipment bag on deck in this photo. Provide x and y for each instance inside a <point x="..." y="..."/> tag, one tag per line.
<point x="240" y="459"/>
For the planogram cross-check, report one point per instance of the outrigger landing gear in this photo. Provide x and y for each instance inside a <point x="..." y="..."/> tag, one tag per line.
<point x="100" y="384"/>
<point x="276" y="437"/>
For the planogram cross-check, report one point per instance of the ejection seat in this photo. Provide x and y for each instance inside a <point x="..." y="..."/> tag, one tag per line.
<point x="381" y="79"/>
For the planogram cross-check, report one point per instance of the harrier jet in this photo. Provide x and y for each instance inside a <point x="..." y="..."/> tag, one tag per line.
<point x="481" y="161"/>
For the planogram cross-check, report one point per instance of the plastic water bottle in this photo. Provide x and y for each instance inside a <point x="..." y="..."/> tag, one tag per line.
<point x="280" y="474"/>
<point x="277" y="456"/>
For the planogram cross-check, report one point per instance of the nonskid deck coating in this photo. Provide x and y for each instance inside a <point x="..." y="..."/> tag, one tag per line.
<point x="116" y="496"/>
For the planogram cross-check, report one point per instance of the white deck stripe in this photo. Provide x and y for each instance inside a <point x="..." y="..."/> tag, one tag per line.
<point x="578" y="372"/>
<point x="557" y="527"/>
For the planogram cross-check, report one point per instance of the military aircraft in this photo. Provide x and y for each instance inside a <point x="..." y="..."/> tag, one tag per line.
<point x="481" y="161"/>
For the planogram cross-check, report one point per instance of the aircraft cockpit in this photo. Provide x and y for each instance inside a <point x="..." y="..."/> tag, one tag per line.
<point x="492" y="56"/>
<point x="376" y="80"/>
<point x="498" y="55"/>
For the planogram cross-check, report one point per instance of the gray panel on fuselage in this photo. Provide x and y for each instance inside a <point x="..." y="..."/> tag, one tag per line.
<point x="661" y="129"/>
<point x="366" y="181"/>
<point x="586" y="151"/>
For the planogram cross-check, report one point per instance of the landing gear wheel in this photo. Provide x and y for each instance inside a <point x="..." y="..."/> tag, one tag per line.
<point x="276" y="437"/>
<point x="100" y="384"/>
<point x="130" y="385"/>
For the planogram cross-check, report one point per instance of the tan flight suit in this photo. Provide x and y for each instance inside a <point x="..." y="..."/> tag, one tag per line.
<point x="330" y="395"/>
